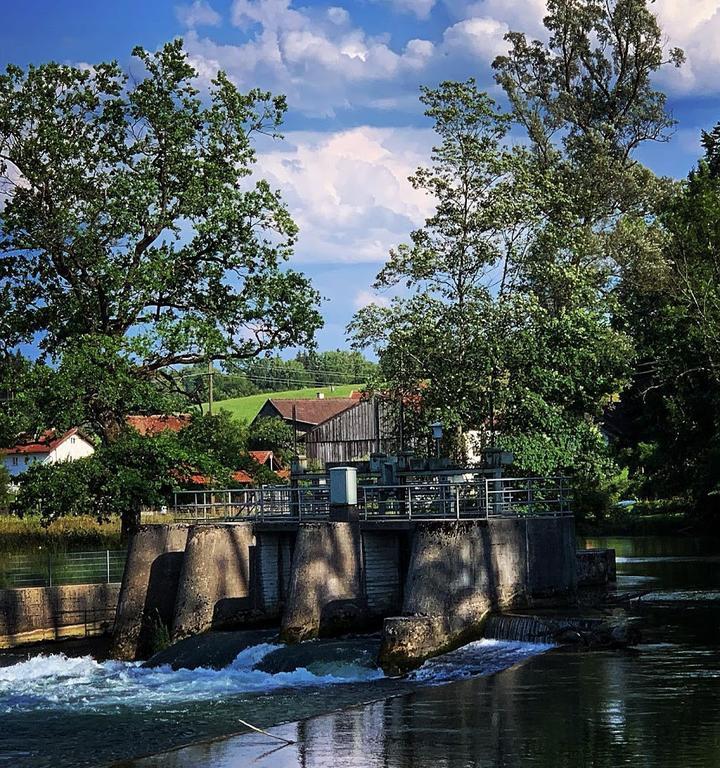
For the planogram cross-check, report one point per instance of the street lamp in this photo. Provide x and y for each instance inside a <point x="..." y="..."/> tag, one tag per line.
<point x="437" y="433"/>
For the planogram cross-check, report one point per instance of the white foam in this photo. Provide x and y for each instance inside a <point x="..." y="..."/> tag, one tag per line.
<point x="483" y="657"/>
<point x="57" y="681"/>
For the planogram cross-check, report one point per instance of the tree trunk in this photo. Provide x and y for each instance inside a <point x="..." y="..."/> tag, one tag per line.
<point x="129" y="522"/>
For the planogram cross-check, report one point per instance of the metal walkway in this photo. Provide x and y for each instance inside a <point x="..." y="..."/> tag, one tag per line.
<point x="489" y="498"/>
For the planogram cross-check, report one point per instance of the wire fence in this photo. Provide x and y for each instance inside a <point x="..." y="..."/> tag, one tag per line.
<point x="52" y="569"/>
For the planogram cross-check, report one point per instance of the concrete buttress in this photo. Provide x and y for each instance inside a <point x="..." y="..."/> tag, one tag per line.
<point x="149" y="588"/>
<point x="325" y="595"/>
<point x="215" y="590"/>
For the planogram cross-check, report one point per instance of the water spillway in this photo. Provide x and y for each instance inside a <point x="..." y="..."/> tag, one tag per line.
<point x="428" y="584"/>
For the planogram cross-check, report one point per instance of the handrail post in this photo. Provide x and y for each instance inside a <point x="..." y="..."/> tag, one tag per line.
<point x="107" y="561"/>
<point x="457" y="501"/>
<point x="409" y="502"/>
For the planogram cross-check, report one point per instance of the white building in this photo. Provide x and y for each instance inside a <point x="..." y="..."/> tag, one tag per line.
<point x="46" y="449"/>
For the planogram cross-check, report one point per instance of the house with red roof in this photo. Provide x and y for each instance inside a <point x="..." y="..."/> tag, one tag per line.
<point x="47" y="448"/>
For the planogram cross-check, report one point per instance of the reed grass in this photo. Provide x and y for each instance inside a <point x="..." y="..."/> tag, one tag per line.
<point x="22" y="535"/>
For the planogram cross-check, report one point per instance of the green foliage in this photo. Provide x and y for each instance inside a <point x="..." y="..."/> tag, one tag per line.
<point x="137" y="235"/>
<point x="486" y="341"/>
<point x="672" y="443"/>
<point x="274" y="374"/>
<point x="272" y="434"/>
<point x="30" y="533"/>
<point x="219" y="437"/>
<point x="159" y="638"/>
<point x="5" y="495"/>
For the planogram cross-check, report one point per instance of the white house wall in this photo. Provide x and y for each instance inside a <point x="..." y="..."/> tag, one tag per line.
<point x="71" y="449"/>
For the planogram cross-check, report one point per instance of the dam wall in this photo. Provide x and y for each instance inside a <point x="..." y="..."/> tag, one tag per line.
<point x="461" y="571"/>
<point x="429" y="584"/>
<point x="149" y="589"/>
<point x="326" y="586"/>
<point x="33" y="614"/>
<point x="214" y="589"/>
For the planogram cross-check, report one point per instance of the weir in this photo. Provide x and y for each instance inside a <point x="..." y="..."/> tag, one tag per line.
<point x="426" y="565"/>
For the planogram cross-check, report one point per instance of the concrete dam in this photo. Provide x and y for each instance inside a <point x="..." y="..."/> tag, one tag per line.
<point x="427" y="576"/>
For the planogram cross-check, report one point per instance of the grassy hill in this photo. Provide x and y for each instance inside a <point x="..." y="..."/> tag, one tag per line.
<point x="247" y="407"/>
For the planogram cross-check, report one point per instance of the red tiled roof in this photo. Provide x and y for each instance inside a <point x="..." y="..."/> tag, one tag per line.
<point x="154" y="425"/>
<point x="197" y="479"/>
<point x="45" y="443"/>
<point x="262" y="457"/>
<point x="312" y="410"/>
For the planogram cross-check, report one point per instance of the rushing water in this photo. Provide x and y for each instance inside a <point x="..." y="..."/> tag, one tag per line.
<point x="657" y="707"/>
<point x="58" y="711"/>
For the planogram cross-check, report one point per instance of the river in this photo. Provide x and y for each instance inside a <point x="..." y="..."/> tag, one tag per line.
<point x="658" y="706"/>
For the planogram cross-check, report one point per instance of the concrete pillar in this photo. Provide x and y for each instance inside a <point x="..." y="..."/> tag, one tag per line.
<point x="149" y="588"/>
<point x="214" y="590"/>
<point x="325" y="595"/>
<point x="458" y="572"/>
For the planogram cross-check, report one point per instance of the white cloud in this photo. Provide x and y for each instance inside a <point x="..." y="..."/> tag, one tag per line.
<point x="199" y="14"/>
<point x="318" y="59"/>
<point x="481" y="37"/>
<point x="694" y="27"/>
<point x="348" y="191"/>
<point x="365" y="297"/>
<point x="421" y="8"/>
<point x="519" y="15"/>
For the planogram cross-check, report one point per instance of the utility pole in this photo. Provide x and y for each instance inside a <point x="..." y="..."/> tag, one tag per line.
<point x="211" y="371"/>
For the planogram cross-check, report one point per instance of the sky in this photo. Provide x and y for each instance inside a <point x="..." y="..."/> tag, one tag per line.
<point x="351" y="70"/>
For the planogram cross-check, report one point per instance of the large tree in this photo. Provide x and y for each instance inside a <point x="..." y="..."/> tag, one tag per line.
<point x="510" y="323"/>
<point x="672" y="411"/>
<point x="132" y="220"/>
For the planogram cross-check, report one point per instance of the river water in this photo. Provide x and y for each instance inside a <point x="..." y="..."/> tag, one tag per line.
<point x="659" y="706"/>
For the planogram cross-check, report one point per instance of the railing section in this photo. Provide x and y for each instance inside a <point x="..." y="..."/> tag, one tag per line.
<point x="270" y="503"/>
<point x="491" y="497"/>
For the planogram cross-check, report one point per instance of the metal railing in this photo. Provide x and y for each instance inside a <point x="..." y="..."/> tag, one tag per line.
<point x="487" y="498"/>
<point x="269" y="503"/>
<point x="48" y="569"/>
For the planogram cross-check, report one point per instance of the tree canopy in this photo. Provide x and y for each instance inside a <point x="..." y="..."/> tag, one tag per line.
<point x="134" y="230"/>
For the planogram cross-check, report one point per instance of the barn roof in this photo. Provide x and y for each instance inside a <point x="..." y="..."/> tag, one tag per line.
<point x="312" y="410"/>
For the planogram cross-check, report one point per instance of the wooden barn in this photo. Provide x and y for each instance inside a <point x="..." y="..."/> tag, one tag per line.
<point x="352" y="434"/>
<point x="336" y="429"/>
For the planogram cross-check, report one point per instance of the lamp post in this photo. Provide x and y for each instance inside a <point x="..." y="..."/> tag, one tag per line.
<point x="437" y="433"/>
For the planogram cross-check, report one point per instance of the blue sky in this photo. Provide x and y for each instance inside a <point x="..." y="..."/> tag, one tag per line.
<point x="351" y="70"/>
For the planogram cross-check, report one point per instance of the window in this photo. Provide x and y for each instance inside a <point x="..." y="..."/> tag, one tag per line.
<point x="72" y="440"/>
<point x="27" y="459"/>
<point x="15" y="461"/>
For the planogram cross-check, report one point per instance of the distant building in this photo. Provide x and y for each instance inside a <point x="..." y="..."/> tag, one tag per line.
<point x="304" y="414"/>
<point x="336" y="429"/>
<point x="48" y="448"/>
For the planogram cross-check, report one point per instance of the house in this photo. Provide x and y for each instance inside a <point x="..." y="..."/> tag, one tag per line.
<point x="266" y="458"/>
<point x="336" y="429"/>
<point x="366" y="426"/>
<point x="47" y="448"/>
